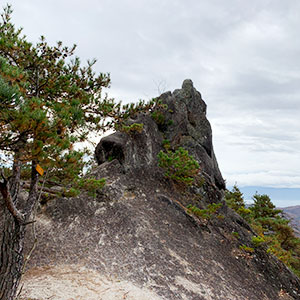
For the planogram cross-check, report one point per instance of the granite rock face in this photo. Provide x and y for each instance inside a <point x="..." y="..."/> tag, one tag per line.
<point x="135" y="151"/>
<point x="137" y="241"/>
<point x="182" y="122"/>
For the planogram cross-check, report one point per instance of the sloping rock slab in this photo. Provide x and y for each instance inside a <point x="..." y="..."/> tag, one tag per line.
<point x="137" y="237"/>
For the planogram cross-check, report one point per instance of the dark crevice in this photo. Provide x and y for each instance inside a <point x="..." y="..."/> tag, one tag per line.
<point x="113" y="151"/>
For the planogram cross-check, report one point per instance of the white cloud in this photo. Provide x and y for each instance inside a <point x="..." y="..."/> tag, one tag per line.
<point x="242" y="56"/>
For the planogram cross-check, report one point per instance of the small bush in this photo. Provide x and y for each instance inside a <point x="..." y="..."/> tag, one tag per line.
<point x="246" y="249"/>
<point x="72" y="192"/>
<point x="257" y="241"/>
<point x="235" y="234"/>
<point x="91" y="185"/>
<point x="158" y="117"/>
<point x="220" y="217"/>
<point x="245" y="213"/>
<point x="166" y="144"/>
<point x="207" y="213"/>
<point x="110" y="158"/>
<point x="133" y="128"/>
<point x="179" y="166"/>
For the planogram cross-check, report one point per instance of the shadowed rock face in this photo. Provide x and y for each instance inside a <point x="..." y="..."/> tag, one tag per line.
<point x="137" y="239"/>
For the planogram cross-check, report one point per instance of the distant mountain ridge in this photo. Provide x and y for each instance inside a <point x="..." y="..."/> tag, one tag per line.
<point x="293" y="213"/>
<point x="281" y="197"/>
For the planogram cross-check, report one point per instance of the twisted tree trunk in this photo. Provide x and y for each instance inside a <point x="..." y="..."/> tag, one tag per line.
<point x="11" y="256"/>
<point x="14" y="231"/>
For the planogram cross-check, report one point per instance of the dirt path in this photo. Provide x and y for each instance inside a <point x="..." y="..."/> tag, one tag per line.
<point x="78" y="283"/>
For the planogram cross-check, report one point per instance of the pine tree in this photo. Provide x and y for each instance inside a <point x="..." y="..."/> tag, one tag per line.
<point x="263" y="207"/>
<point x="48" y="102"/>
<point x="270" y="225"/>
<point x="234" y="198"/>
<point x="276" y="231"/>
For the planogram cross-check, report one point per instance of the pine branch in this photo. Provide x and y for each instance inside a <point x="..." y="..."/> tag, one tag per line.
<point x="56" y="190"/>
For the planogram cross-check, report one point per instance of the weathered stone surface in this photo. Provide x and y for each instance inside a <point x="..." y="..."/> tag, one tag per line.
<point x="137" y="239"/>
<point x="137" y="231"/>
<point x="135" y="151"/>
<point x="190" y="128"/>
<point x="185" y="125"/>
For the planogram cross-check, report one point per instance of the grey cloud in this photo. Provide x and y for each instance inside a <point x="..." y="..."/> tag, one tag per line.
<point x="242" y="56"/>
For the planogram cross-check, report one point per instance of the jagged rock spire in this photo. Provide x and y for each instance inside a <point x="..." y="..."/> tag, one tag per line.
<point x="184" y="125"/>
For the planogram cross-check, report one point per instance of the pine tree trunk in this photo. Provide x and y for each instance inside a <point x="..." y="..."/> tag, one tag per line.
<point x="11" y="256"/>
<point x="13" y="229"/>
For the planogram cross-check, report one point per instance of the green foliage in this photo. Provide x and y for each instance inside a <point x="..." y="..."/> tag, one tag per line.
<point x="121" y="113"/>
<point x="263" y="207"/>
<point x="235" y="234"/>
<point x="166" y="144"/>
<point x="207" y="213"/>
<point x="71" y="192"/>
<point x="296" y="271"/>
<point x="220" y="217"/>
<point x="110" y="158"/>
<point x="276" y="231"/>
<point x="247" y="249"/>
<point x="234" y="198"/>
<point x="179" y="166"/>
<point x="91" y="185"/>
<point x="245" y="213"/>
<point x="49" y="102"/>
<point x="133" y="128"/>
<point x="286" y="256"/>
<point x="158" y="117"/>
<point x="257" y="241"/>
<point x="273" y="230"/>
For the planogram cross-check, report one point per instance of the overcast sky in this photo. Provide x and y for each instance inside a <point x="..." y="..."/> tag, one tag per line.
<point x="243" y="56"/>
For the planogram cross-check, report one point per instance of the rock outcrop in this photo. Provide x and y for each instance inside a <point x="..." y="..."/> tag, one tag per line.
<point x="182" y="122"/>
<point x="136" y="239"/>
